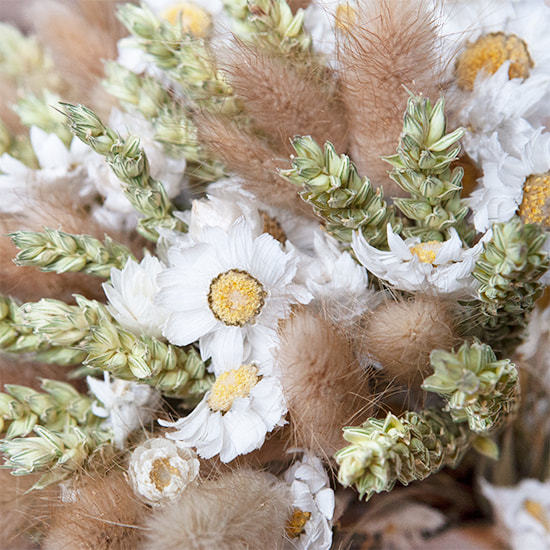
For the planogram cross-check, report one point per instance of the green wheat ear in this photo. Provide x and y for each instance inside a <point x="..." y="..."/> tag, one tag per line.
<point x="347" y="202"/>
<point x="422" y="168"/>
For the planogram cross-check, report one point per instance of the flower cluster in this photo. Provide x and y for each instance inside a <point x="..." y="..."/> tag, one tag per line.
<point x="262" y="233"/>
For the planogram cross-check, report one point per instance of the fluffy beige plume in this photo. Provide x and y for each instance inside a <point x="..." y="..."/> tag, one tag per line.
<point x="239" y="510"/>
<point x="80" y="35"/>
<point x="401" y="334"/>
<point x="286" y="100"/>
<point x="24" y="515"/>
<point x="251" y="158"/>
<point x="8" y="93"/>
<point x="103" y="514"/>
<point x="324" y="386"/>
<point x="389" y="44"/>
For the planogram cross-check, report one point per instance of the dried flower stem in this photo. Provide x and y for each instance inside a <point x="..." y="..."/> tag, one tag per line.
<point x="129" y="163"/>
<point x="186" y="59"/>
<point x="17" y="337"/>
<point x="22" y="408"/>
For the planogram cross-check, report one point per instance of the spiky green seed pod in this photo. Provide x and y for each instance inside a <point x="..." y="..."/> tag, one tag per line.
<point x="53" y="250"/>
<point x="478" y="388"/>
<point x="333" y="187"/>
<point x="406" y="448"/>
<point x="129" y="163"/>
<point x="22" y="408"/>
<point x="421" y="167"/>
<point x="508" y="270"/>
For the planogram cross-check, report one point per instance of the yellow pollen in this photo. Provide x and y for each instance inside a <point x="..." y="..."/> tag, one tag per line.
<point x="235" y="297"/>
<point x="296" y="524"/>
<point x="193" y="19"/>
<point x="232" y="384"/>
<point x="537" y="511"/>
<point x="427" y="251"/>
<point x="535" y="206"/>
<point x="345" y="16"/>
<point x="488" y="53"/>
<point x="162" y="472"/>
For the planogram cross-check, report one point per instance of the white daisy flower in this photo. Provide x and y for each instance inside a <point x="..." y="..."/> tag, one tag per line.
<point x="229" y="290"/>
<point x="161" y="469"/>
<point x="130" y="294"/>
<point x="243" y="405"/>
<point x="494" y="32"/>
<point x="59" y="167"/>
<point x="503" y="66"/>
<point x="335" y="279"/>
<point x="501" y="106"/>
<point x="439" y="267"/>
<point x="513" y="183"/>
<point x="126" y="406"/>
<point x="523" y="511"/>
<point x="227" y="201"/>
<point x="310" y="526"/>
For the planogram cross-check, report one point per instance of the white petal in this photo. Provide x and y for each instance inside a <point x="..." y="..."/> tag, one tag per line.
<point x="185" y="328"/>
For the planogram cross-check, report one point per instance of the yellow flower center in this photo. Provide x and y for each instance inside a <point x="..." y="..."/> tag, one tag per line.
<point x="296" y="524"/>
<point x="427" y="251"/>
<point x="162" y="472"/>
<point x="232" y="384"/>
<point x="535" y="206"/>
<point x="488" y="53"/>
<point x="192" y="18"/>
<point x="345" y="16"/>
<point x="537" y="511"/>
<point x="235" y="297"/>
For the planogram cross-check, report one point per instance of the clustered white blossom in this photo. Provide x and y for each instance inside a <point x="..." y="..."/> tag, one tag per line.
<point x="523" y="513"/>
<point x="313" y="505"/>
<point x="161" y="469"/>
<point x="126" y="406"/>
<point x="242" y="267"/>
